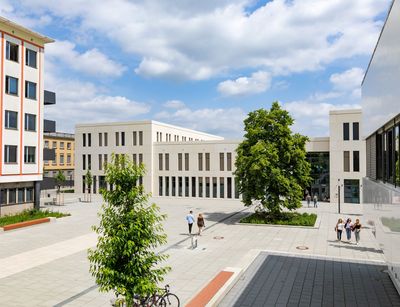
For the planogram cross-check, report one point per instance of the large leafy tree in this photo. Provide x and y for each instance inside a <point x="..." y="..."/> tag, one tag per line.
<point x="271" y="165"/>
<point x="130" y="229"/>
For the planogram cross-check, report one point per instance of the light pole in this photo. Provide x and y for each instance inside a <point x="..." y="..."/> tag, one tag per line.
<point x="338" y="195"/>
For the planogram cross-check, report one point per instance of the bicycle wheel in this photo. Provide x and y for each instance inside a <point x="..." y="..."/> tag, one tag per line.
<point x="170" y="299"/>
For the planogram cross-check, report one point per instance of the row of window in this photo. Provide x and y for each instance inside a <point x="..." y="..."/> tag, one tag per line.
<point x="163" y="160"/>
<point x="61" y="160"/>
<point x="12" y="87"/>
<point x="137" y="139"/>
<point x="209" y="187"/>
<point x="346" y="131"/>
<point x="10" y="154"/>
<point x="168" y="137"/>
<point x="103" y="159"/>
<point x="54" y="145"/>
<point x="101" y="184"/>
<point x="16" y="196"/>
<point x="356" y="161"/>
<point x="11" y="121"/>
<point x="12" y="54"/>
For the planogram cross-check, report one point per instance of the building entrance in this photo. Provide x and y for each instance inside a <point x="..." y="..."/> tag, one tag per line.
<point x="352" y="191"/>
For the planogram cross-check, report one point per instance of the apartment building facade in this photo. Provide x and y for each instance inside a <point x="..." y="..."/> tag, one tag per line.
<point x="22" y="99"/>
<point x="191" y="164"/>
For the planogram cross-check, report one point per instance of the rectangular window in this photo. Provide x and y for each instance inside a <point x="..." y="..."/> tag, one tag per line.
<point x="122" y="138"/>
<point x="46" y="144"/>
<point x="100" y="139"/>
<point x="187" y="186"/>
<point x="200" y="159"/>
<point x="356" y="131"/>
<point x="166" y="186"/>
<point x="356" y="161"/>
<point x="30" y="153"/>
<point x="54" y="145"/>
<point x="100" y="162"/>
<point x="94" y="184"/>
<point x="221" y="161"/>
<point x="105" y="139"/>
<point x="31" y="57"/>
<point x="134" y="158"/>
<point x="29" y="195"/>
<point x="89" y="162"/>
<point x="180" y="186"/>
<point x="160" y="161"/>
<point x="140" y="158"/>
<point x="229" y="161"/>
<point x="167" y="162"/>
<point x="11" y="85"/>
<point x="134" y="138"/>
<point x="346" y="132"/>
<point x="160" y="136"/>
<point x="200" y="186"/>
<point x="105" y="159"/>
<point x="30" y="90"/>
<point x="221" y="187"/>
<point x="10" y="154"/>
<point x="68" y="159"/>
<point x="3" y="196"/>
<point x="229" y="187"/>
<point x="83" y="140"/>
<point x="208" y="187"/>
<point x="173" y="186"/>
<point x="61" y="145"/>
<point x="69" y="145"/>
<point x="193" y="186"/>
<point x="89" y="137"/>
<point x="160" y="186"/>
<point x="12" y="51"/>
<point x="21" y="195"/>
<point x="12" y="196"/>
<point x="140" y="138"/>
<point x="11" y="120"/>
<point x="116" y="138"/>
<point x="346" y="161"/>
<point x="30" y="122"/>
<point x="214" y="187"/>
<point x="207" y="161"/>
<point x="186" y="161"/>
<point x="61" y="159"/>
<point x="84" y="162"/>
<point x="179" y="161"/>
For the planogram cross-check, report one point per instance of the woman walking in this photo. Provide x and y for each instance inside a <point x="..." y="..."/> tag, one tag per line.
<point x="339" y="229"/>
<point x="349" y="227"/>
<point x="357" y="229"/>
<point x="200" y="223"/>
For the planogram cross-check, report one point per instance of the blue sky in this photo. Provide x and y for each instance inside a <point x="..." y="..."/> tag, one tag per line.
<point x="203" y="65"/>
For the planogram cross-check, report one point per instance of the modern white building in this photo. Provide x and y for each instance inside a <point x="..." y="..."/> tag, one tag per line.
<point x="22" y="100"/>
<point x="185" y="163"/>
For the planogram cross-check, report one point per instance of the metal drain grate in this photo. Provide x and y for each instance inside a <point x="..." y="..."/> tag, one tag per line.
<point x="302" y="247"/>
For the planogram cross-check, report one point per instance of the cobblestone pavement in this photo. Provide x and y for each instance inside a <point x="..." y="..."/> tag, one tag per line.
<point x="46" y="265"/>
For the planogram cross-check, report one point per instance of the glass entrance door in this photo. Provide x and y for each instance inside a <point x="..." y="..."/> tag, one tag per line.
<point x="352" y="191"/>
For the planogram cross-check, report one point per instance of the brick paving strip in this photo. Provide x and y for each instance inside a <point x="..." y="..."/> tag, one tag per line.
<point x="26" y="224"/>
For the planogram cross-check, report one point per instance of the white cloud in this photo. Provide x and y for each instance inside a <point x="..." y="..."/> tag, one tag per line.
<point x="91" y="62"/>
<point x="224" y="122"/>
<point x="348" y="80"/>
<point x="193" y="40"/>
<point x="174" y="104"/>
<point x="258" y="82"/>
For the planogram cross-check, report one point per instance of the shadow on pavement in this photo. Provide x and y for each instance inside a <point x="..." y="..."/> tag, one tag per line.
<point x="355" y="247"/>
<point x="224" y="217"/>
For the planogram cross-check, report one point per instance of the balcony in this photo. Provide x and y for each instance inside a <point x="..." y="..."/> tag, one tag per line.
<point x="49" y="98"/>
<point x="49" y="126"/>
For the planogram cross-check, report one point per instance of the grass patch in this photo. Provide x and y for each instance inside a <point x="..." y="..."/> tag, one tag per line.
<point x="392" y="223"/>
<point x="29" y="215"/>
<point x="68" y="191"/>
<point x="285" y="218"/>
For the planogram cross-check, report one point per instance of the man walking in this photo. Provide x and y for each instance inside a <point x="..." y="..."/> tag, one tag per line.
<point x="190" y="221"/>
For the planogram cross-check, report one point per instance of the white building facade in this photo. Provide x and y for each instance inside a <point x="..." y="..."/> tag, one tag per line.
<point x="185" y="163"/>
<point x="21" y="120"/>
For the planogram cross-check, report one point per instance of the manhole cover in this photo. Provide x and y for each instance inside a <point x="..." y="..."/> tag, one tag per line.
<point x="218" y="238"/>
<point x="302" y="247"/>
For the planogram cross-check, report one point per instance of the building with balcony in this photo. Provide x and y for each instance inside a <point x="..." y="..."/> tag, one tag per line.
<point x="185" y="163"/>
<point x="22" y="100"/>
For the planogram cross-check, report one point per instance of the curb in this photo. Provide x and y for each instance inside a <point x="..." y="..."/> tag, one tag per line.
<point x="28" y="223"/>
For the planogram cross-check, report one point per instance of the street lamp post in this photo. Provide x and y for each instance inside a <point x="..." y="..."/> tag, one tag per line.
<point x="338" y="195"/>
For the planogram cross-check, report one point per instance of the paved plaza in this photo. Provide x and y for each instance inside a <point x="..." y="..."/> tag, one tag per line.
<point x="46" y="265"/>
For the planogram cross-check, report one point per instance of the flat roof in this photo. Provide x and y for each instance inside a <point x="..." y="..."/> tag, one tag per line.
<point x="346" y="111"/>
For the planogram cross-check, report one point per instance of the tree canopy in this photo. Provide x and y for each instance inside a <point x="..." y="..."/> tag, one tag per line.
<point x="271" y="164"/>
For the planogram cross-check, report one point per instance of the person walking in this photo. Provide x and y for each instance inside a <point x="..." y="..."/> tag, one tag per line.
<point x="315" y="201"/>
<point x="200" y="223"/>
<point x="339" y="229"/>
<point x="308" y="198"/>
<point x="357" y="229"/>
<point x="190" y="221"/>
<point x="349" y="227"/>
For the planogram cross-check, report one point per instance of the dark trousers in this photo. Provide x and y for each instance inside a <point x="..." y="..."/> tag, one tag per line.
<point x="339" y="235"/>
<point x="190" y="227"/>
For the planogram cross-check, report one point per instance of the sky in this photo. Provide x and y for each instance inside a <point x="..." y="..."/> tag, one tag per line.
<point x="202" y="64"/>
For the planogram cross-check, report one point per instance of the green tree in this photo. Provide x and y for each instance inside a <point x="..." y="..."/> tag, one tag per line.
<point x="60" y="180"/>
<point x="271" y="164"/>
<point x="88" y="183"/>
<point x="130" y="229"/>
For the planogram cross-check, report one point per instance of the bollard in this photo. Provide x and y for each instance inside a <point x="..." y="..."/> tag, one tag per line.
<point x="193" y="242"/>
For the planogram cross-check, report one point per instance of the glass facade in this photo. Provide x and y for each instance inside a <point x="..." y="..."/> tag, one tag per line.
<point x="320" y="175"/>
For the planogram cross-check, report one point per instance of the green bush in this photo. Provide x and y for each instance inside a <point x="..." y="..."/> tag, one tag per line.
<point x="68" y="191"/>
<point x="28" y="215"/>
<point x="283" y="218"/>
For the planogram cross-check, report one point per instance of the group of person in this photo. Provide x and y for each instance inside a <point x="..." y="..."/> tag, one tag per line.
<point x="348" y="227"/>
<point x="200" y="222"/>
<point x="313" y="198"/>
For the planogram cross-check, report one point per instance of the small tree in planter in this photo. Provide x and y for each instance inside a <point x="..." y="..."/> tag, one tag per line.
<point x="88" y="183"/>
<point x="60" y="180"/>
<point x="130" y="229"/>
